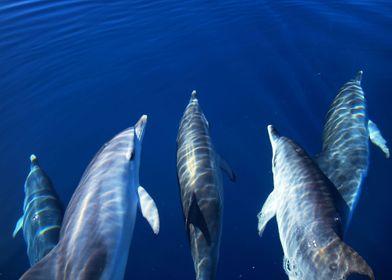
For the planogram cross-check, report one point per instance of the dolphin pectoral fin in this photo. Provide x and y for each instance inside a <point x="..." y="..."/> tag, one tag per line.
<point x="226" y="168"/>
<point x="196" y="218"/>
<point x="149" y="209"/>
<point x="19" y="225"/>
<point x="267" y="212"/>
<point x="376" y="138"/>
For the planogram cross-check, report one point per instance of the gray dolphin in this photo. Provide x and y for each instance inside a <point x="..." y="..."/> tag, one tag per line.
<point x="42" y="213"/>
<point x="98" y="223"/>
<point x="307" y="208"/>
<point x="345" y="153"/>
<point x="200" y="181"/>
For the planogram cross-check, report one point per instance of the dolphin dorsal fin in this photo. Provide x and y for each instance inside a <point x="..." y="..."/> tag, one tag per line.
<point x="226" y="168"/>
<point x="18" y="226"/>
<point x="196" y="218"/>
<point x="149" y="209"/>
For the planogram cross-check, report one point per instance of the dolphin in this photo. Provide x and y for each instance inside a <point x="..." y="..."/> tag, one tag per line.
<point x="345" y="153"/>
<point x="98" y="223"/>
<point x="42" y="213"/>
<point x="307" y="208"/>
<point x="201" y="191"/>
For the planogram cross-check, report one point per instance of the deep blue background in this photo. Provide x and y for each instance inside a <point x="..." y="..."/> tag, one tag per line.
<point x="74" y="73"/>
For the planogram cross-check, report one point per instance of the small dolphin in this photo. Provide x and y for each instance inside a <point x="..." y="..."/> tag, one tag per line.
<point x="307" y="208"/>
<point x="345" y="154"/>
<point x="42" y="213"/>
<point x="98" y="223"/>
<point x="200" y="181"/>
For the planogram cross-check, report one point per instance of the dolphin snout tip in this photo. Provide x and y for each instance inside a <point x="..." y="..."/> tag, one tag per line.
<point x="194" y="94"/>
<point x="358" y="77"/>
<point x="33" y="158"/>
<point x="272" y="133"/>
<point x="140" y="126"/>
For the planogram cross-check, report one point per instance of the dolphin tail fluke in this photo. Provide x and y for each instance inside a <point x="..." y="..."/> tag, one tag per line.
<point x="196" y="218"/>
<point x="227" y="169"/>
<point x="44" y="269"/>
<point x="376" y="138"/>
<point x="19" y="225"/>
<point x="355" y="264"/>
<point x="267" y="212"/>
<point x="149" y="209"/>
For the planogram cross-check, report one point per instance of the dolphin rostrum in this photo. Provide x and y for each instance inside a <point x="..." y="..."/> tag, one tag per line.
<point x="345" y="155"/>
<point x="307" y="208"/>
<point x="200" y="181"/>
<point x="42" y="213"/>
<point x="98" y="223"/>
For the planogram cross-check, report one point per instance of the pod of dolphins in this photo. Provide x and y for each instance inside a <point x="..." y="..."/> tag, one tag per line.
<point x="313" y="200"/>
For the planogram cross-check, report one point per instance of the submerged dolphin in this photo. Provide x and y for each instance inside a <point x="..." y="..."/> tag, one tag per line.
<point x="98" y="223"/>
<point x="200" y="181"/>
<point x="307" y="208"/>
<point x="345" y="154"/>
<point x="42" y="214"/>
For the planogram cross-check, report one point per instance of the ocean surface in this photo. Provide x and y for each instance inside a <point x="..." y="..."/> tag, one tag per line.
<point x="75" y="73"/>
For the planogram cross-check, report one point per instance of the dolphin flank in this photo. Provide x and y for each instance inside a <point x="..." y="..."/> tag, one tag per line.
<point x="307" y="208"/>
<point x="42" y="213"/>
<point x="200" y="181"/>
<point x="98" y="223"/>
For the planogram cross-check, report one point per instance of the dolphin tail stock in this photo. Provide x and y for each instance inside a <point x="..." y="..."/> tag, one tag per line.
<point x="45" y="268"/>
<point x="267" y="212"/>
<point x="149" y="209"/>
<point x="376" y="137"/>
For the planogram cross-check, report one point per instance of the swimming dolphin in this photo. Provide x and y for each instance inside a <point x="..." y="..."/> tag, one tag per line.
<point x="98" y="223"/>
<point x="42" y="213"/>
<point x="200" y="181"/>
<point x="345" y="154"/>
<point x="307" y="208"/>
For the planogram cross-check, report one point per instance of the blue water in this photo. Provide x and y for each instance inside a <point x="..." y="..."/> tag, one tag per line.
<point x="74" y="73"/>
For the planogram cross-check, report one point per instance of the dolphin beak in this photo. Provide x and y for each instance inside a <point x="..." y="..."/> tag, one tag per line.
<point x="273" y="136"/>
<point x="358" y="77"/>
<point x="140" y="127"/>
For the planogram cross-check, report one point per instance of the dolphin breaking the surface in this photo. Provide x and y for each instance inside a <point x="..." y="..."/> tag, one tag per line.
<point x="200" y="181"/>
<point x="98" y="223"/>
<point x="345" y="155"/>
<point x="307" y="208"/>
<point x="42" y="214"/>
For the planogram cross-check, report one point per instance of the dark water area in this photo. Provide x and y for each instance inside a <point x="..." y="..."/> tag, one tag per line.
<point x="75" y="73"/>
